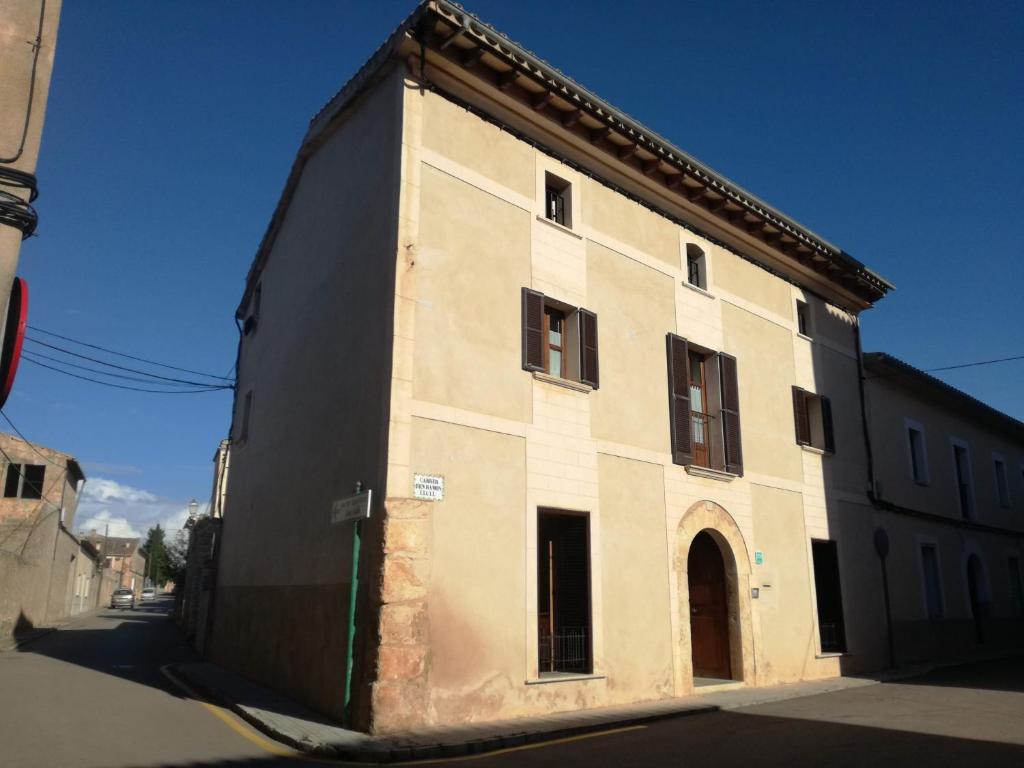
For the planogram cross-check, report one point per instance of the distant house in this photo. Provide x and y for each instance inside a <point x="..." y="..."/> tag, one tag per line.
<point x="46" y="573"/>
<point x="123" y="557"/>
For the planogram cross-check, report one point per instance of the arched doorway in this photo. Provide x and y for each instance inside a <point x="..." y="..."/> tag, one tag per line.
<point x="974" y="592"/>
<point x="709" y="609"/>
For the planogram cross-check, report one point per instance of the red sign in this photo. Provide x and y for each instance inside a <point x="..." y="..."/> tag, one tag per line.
<point x="14" y="337"/>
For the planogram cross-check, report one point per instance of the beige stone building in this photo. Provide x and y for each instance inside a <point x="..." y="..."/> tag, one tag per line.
<point x="46" y="573"/>
<point x="948" y="480"/>
<point x="607" y="402"/>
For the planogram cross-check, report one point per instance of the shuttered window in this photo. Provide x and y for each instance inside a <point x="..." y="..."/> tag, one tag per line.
<point x="559" y="340"/>
<point x="679" y="399"/>
<point x="812" y="419"/>
<point x="704" y="407"/>
<point x="731" y="414"/>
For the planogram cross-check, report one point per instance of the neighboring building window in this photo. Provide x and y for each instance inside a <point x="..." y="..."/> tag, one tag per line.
<point x="696" y="267"/>
<point x="1016" y="587"/>
<point x="559" y="340"/>
<point x="243" y="434"/>
<point x="563" y="593"/>
<point x="932" y="582"/>
<point x="964" y="479"/>
<point x="812" y="417"/>
<point x="830" y="597"/>
<point x="917" y="452"/>
<point x="1002" y="482"/>
<point x="557" y="200"/>
<point x="704" y="405"/>
<point x="24" y="481"/>
<point x="803" y="318"/>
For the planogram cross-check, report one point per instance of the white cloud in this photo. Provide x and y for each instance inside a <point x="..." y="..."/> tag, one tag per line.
<point x="99" y="489"/>
<point x="129" y="511"/>
<point x="118" y="526"/>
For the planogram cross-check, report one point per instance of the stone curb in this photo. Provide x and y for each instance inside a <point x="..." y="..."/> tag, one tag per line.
<point x="383" y="749"/>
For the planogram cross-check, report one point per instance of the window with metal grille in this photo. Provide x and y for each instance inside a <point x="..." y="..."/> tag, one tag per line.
<point x="803" y="318"/>
<point x="563" y="593"/>
<point x="829" y="596"/>
<point x="696" y="267"/>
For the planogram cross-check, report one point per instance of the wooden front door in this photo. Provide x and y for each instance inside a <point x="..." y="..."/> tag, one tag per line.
<point x="709" y="610"/>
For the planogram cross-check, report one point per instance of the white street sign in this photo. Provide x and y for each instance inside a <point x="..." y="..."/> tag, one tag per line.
<point x="353" y="508"/>
<point x="428" y="487"/>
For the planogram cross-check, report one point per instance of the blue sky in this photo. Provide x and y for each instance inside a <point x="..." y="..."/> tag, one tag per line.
<point x="891" y="129"/>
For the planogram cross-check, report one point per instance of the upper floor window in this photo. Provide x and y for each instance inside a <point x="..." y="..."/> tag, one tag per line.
<point x="557" y="200"/>
<point x="243" y="431"/>
<point x="803" y="318"/>
<point x="1002" y="482"/>
<point x="917" y="453"/>
<point x="1016" y="590"/>
<point x="559" y="340"/>
<point x="253" y="320"/>
<point x="932" y="581"/>
<point x="812" y="416"/>
<point x="964" y="478"/>
<point x="24" y="481"/>
<point x="696" y="267"/>
<point x="704" y="407"/>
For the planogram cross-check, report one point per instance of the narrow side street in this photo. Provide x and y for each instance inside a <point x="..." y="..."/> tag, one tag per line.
<point x="92" y="694"/>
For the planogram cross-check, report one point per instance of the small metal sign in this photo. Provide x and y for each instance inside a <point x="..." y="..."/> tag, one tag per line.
<point x="428" y="487"/>
<point x="758" y="557"/>
<point x="355" y="507"/>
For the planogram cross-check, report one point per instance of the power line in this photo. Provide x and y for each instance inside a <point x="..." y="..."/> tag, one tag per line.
<point x="971" y="365"/>
<point x="125" y="368"/>
<point x="31" y="445"/>
<point x="122" y="354"/>
<point x="124" y="386"/>
<point x="33" y="354"/>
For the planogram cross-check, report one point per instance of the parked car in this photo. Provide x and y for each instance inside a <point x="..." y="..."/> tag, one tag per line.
<point x="122" y="598"/>
<point x="149" y="593"/>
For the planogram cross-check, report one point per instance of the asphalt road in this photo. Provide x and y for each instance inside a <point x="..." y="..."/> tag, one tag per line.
<point x="92" y="694"/>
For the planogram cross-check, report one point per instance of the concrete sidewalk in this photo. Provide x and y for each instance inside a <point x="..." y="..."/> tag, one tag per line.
<point x="294" y="725"/>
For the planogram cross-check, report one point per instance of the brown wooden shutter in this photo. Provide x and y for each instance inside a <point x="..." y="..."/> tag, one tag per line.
<point x="533" y="330"/>
<point x="589" y="373"/>
<point x="826" y="425"/>
<point x="803" y="426"/>
<point x="731" y="414"/>
<point x="679" y="399"/>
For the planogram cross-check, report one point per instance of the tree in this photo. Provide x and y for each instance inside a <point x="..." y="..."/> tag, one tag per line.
<point x="156" y="556"/>
<point x="177" y="557"/>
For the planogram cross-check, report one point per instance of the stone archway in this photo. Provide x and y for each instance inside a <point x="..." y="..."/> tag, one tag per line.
<point x="712" y="519"/>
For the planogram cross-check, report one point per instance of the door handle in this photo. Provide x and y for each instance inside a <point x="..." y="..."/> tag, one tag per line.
<point x="694" y="611"/>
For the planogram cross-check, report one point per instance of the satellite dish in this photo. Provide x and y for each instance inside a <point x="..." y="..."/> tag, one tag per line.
<point x="14" y="337"/>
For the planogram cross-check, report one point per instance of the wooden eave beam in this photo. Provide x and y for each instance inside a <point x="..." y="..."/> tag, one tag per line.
<point x="627" y="151"/>
<point x="569" y="119"/>
<point x="507" y="79"/>
<point x="541" y="100"/>
<point x="650" y="166"/>
<point x="599" y="133"/>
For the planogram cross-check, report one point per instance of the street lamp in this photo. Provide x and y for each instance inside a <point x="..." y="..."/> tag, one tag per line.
<point x="193" y="508"/>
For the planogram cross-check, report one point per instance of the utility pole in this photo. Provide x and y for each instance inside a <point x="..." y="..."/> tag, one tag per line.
<point x="26" y="61"/>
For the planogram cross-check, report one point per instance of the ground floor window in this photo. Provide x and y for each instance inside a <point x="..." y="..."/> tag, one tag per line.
<point x="830" y="596"/>
<point x="563" y="593"/>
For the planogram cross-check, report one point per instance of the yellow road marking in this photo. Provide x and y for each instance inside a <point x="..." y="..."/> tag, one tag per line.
<point x="247" y="732"/>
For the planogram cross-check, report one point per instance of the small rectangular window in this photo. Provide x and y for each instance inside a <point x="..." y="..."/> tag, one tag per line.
<point x="918" y="456"/>
<point x="831" y="627"/>
<point x="253" y="320"/>
<point x="243" y="434"/>
<point x="932" y="583"/>
<point x="563" y="594"/>
<point x="964" y="483"/>
<point x="812" y="415"/>
<point x="557" y="200"/>
<point x="32" y="481"/>
<point x="803" y="318"/>
<point x="13" y="481"/>
<point x="1002" y="485"/>
<point x="696" y="267"/>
